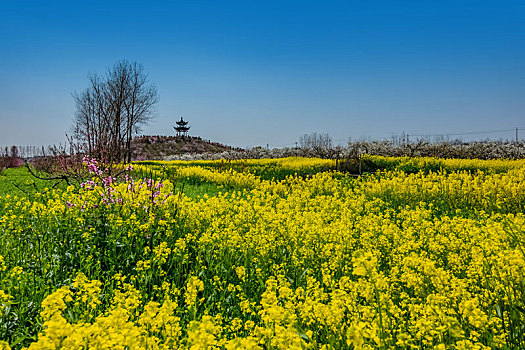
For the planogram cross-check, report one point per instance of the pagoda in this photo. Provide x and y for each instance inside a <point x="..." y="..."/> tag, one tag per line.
<point x="181" y="128"/>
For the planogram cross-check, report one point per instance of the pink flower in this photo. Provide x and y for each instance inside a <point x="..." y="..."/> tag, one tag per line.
<point x="107" y="181"/>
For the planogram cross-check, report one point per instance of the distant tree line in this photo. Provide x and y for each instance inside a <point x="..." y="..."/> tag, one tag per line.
<point x="21" y="151"/>
<point x="112" y="109"/>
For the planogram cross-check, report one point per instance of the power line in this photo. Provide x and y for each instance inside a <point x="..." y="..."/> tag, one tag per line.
<point x="469" y="133"/>
<point x="285" y="144"/>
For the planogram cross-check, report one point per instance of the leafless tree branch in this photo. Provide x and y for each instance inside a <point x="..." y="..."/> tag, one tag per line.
<point x="112" y="109"/>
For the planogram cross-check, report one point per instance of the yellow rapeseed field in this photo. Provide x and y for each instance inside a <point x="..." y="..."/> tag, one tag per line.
<point x="431" y="258"/>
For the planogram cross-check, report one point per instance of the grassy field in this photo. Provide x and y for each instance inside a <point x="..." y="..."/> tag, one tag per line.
<point x="19" y="182"/>
<point x="268" y="254"/>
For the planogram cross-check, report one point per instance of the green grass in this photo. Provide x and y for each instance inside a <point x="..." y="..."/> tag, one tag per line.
<point x="19" y="182"/>
<point x="194" y="190"/>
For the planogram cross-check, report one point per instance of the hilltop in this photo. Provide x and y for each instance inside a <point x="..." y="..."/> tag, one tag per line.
<point x="159" y="147"/>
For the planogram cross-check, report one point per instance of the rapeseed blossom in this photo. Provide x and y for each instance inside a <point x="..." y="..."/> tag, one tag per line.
<point x="395" y="259"/>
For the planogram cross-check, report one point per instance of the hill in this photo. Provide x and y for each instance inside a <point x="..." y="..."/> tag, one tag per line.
<point x="159" y="147"/>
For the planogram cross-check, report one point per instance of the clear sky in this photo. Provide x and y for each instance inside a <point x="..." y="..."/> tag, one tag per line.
<point x="250" y="73"/>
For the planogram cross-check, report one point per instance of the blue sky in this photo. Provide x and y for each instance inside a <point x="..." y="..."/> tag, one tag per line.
<point x="251" y="73"/>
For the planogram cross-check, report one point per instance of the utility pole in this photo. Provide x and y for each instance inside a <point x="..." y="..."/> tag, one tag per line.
<point x="516" y="135"/>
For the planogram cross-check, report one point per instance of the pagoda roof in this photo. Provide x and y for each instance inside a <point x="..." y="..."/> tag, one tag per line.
<point x="181" y="122"/>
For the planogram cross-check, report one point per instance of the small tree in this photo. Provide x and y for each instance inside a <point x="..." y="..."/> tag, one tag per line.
<point x="14" y="151"/>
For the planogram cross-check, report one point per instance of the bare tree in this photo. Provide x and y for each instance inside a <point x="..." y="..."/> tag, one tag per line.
<point x="112" y="109"/>
<point x="139" y="106"/>
<point x="321" y="144"/>
<point x="14" y="151"/>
